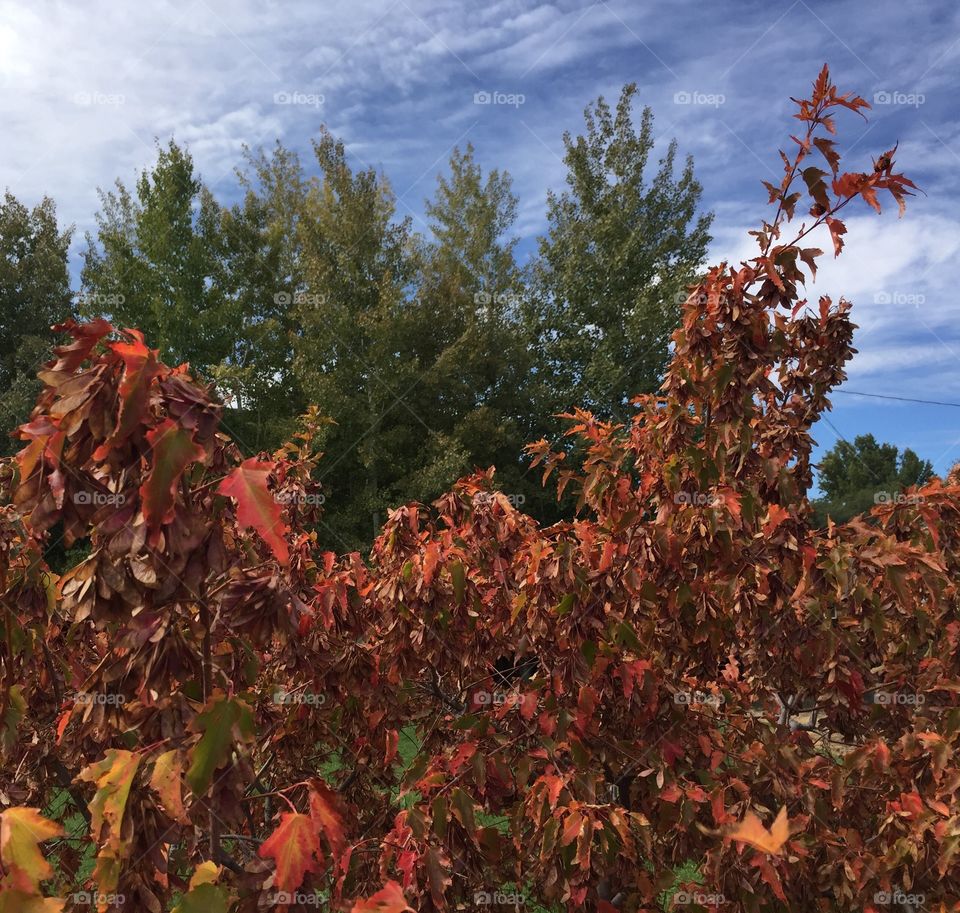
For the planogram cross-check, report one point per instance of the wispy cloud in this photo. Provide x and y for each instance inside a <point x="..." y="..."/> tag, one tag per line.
<point x="85" y="90"/>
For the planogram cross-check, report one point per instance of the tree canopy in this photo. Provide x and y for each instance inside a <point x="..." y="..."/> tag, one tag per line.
<point x="432" y="354"/>
<point x="599" y="714"/>
<point x="622" y="246"/>
<point x="856" y="476"/>
<point x="34" y="295"/>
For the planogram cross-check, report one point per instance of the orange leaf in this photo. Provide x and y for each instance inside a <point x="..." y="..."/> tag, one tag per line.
<point x="62" y="722"/>
<point x="775" y="516"/>
<point x="753" y="833"/>
<point x="173" y="450"/>
<point x="837" y="230"/>
<point x="140" y="366"/>
<point x="256" y="506"/>
<point x="606" y="559"/>
<point x="388" y="900"/>
<point x="431" y="557"/>
<point x="326" y="815"/>
<point x="295" y="848"/>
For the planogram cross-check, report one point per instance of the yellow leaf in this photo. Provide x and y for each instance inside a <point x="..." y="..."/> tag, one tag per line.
<point x="166" y="782"/>
<point x="753" y="833"/>
<point x="113" y="777"/>
<point x="206" y="873"/>
<point x="21" y="832"/>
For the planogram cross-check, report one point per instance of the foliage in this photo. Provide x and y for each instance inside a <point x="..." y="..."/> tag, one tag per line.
<point x="431" y="355"/>
<point x="34" y="295"/>
<point x="153" y="263"/>
<point x="262" y="272"/>
<point x="613" y="269"/>
<point x="854" y="477"/>
<point x="356" y="352"/>
<point x="208" y="660"/>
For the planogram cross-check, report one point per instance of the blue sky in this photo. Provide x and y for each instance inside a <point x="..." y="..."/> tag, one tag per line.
<point x="86" y="88"/>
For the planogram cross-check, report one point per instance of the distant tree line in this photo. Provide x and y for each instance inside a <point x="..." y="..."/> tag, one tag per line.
<point x="856" y="476"/>
<point x="431" y="353"/>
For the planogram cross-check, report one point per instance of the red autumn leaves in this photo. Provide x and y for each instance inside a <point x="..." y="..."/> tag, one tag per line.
<point x="257" y="507"/>
<point x="649" y="643"/>
<point x="296" y="846"/>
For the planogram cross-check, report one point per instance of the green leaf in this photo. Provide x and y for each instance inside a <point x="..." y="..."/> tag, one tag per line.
<point x="626" y="635"/>
<point x="459" y="576"/>
<point x="205" y="898"/>
<point x="224" y="722"/>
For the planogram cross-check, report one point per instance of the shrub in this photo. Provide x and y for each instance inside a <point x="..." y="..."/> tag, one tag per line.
<point x="486" y="704"/>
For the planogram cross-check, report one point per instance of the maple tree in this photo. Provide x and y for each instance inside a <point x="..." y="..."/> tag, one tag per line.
<point x="485" y="707"/>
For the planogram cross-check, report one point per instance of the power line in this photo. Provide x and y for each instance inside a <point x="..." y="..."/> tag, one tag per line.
<point x="902" y="399"/>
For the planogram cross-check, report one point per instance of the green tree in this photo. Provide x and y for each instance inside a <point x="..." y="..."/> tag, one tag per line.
<point x="470" y="294"/>
<point x="412" y="345"/>
<point x="854" y="477"/>
<point x="613" y="267"/>
<point x="355" y="350"/>
<point x="153" y="264"/>
<point x="206" y="284"/>
<point x="34" y="295"/>
<point x="259" y="252"/>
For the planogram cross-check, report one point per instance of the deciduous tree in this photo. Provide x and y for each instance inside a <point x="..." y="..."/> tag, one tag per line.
<point x="855" y="476"/>
<point x="624" y="242"/>
<point x="34" y="295"/>
<point x="250" y="719"/>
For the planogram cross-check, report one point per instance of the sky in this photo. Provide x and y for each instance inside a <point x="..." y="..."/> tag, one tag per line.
<point x="86" y="90"/>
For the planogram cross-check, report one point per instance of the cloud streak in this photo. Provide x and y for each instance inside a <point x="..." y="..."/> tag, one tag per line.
<point x="85" y="91"/>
